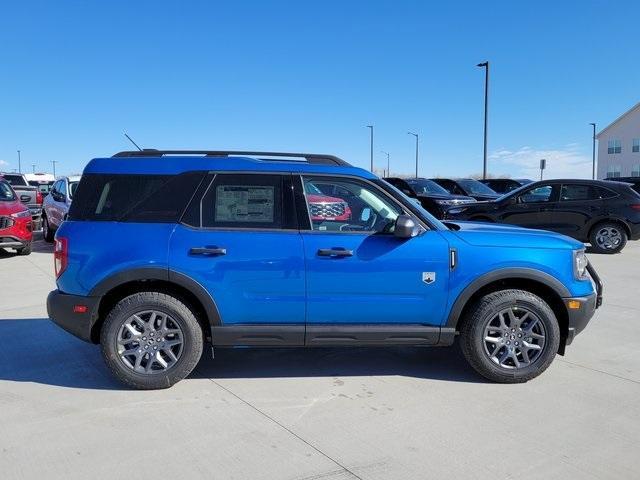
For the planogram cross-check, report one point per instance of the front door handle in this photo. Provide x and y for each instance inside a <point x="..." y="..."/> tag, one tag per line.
<point x="208" y="251"/>
<point x="335" y="252"/>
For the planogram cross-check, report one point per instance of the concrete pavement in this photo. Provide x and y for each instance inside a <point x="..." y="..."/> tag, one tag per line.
<point x="398" y="413"/>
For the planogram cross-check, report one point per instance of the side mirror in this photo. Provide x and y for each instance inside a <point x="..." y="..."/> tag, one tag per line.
<point x="405" y="227"/>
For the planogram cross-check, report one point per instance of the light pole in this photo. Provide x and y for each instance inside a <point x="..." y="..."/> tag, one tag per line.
<point x="33" y="167"/>
<point x="387" y="154"/>
<point x="417" y="136"/>
<point x="371" y="127"/>
<point x="53" y="162"/>
<point x="486" y="113"/>
<point x="593" y="154"/>
<point x="19" y="163"/>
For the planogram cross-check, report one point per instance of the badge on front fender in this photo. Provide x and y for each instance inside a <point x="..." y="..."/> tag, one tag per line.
<point x="428" y="277"/>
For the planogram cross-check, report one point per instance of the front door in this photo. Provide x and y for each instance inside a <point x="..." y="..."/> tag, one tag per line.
<point x="358" y="272"/>
<point x="242" y="245"/>
<point x="533" y="208"/>
<point x="578" y="204"/>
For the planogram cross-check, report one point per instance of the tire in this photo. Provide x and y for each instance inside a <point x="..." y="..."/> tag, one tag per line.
<point x="483" y="321"/>
<point x="26" y="250"/>
<point x="136" y="370"/>
<point x="608" y="237"/>
<point x="47" y="233"/>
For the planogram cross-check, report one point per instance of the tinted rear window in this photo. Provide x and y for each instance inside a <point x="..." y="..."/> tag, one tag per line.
<point x="133" y="198"/>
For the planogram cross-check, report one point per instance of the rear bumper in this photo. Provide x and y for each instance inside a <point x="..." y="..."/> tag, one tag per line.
<point x="579" y="317"/>
<point x="60" y="308"/>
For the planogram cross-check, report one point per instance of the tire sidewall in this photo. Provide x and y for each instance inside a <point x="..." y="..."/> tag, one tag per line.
<point x="594" y="244"/>
<point x="179" y="312"/>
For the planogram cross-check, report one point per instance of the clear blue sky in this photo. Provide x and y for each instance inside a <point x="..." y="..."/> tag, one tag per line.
<point x="309" y="76"/>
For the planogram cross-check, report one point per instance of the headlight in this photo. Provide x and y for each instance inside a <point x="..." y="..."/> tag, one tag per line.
<point x="23" y="214"/>
<point x="580" y="263"/>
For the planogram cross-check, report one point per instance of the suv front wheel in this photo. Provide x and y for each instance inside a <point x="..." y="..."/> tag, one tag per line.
<point x="151" y="340"/>
<point x="510" y="336"/>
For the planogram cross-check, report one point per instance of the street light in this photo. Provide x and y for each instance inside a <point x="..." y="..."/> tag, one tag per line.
<point x="593" y="160"/>
<point x="53" y="162"/>
<point x="417" y="136"/>
<point x="486" y="113"/>
<point x="387" y="154"/>
<point x="19" y="165"/>
<point x="371" y="127"/>
<point x="33" y="167"/>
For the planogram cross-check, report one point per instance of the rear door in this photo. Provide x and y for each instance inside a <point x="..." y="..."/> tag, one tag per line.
<point x="533" y="208"/>
<point x="578" y="204"/>
<point x="239" y="240"/>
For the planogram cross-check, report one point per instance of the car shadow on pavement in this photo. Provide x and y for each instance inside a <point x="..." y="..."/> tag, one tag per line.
<point x="40" y="352"/>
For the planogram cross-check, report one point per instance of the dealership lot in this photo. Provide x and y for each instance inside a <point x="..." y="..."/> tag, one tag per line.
<point x="322" y="414"/>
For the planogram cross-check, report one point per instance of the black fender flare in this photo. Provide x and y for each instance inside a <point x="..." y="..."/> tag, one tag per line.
<point x="166" y="275"/>
<point x="502" y="274"/>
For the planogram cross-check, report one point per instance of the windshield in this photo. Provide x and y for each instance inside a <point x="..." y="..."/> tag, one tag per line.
<point x="72" y="188"/>
<point x="475" y="187"/>
<point x="424" y="186"/>
<point x="6" y="193"/>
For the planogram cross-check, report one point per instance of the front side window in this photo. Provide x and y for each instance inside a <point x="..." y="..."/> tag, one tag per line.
<point x="635" y="145"/>
<point x="537" y="195"/>
<point x="63" y="188"/>
<point x="614" y="146"/>
<point x="613" y="171"/>
<point x="348" y="205"/>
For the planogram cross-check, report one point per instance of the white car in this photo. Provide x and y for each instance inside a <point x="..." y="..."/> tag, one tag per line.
<point x="56" y="205"/>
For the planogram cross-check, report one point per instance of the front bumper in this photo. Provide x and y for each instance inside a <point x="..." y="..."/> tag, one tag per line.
<point x="60" y="308"/>
<point x="10" y="241"/>
<point x="579" y="317"/>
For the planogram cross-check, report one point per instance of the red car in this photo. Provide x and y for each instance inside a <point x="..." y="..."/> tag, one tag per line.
<point x="16" y="226"/>
<point x="324" y="207"/>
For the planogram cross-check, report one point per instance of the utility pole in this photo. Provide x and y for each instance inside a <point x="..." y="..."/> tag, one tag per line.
<point x="417" y="137"/>
<point x="371" y="149"/>
<point x="387" y="154"/>
<point x="53" y="162"/>
<point x="593" y="154"/>
<point x="33" y="167"/>
<point x="486" y="113"/>
<point x="19" y="163"/>
<point x="543" y="165"/>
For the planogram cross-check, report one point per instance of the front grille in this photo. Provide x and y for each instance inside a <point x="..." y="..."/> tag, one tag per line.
<point x="328" y="209"/>
<point x="5" y="222"/>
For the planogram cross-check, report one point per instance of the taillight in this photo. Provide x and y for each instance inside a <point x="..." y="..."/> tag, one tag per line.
<point x="635" y="206"/>
<point x="60" y="255"/>
<point x="38" y="197"/>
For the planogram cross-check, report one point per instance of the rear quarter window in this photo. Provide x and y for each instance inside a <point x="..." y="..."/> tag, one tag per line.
<point x="133" y="198"/>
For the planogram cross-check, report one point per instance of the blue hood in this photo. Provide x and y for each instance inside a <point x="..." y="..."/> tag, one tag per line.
<point x="496" y="235"/>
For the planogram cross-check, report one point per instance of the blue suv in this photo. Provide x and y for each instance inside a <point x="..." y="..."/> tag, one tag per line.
<point x="166" y="250"/>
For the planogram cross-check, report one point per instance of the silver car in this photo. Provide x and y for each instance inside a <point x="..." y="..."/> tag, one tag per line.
<point x="56" y="205"/>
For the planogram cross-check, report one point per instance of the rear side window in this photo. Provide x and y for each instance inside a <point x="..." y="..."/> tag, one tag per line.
<point x="15" y="180"/>
<point x="248" y="201"/>
<point x="6" y="193"/>
<point x="133" y="198"/>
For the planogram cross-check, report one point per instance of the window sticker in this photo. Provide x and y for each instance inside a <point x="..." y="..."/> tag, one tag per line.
<point x="244" y="203"/>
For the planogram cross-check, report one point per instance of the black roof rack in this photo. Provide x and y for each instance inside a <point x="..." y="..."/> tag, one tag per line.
<point x="313" y="158"/>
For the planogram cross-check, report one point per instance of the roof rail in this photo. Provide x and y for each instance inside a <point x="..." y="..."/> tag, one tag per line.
<point x="313" y="158"/>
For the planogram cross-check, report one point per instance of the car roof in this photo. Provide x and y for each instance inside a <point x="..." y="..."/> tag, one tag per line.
<point x="180" y="162"/>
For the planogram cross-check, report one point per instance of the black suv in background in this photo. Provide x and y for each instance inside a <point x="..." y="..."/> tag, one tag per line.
<point x="433" y="198"/>
<point x="467" y="186"/>
<point x="505" y="185"/>
<point x="600" y="212"/>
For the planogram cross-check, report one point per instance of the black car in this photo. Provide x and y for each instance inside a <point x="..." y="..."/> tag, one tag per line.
<point x="432" y="196"/>
<point x="634" y="181"/>
<point x="599" y="212"/>
<point x="467" y="186"/>
<point x="505" y="185"/>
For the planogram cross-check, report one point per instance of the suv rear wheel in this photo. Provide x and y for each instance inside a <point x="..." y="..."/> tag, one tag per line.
<point x="151" y="340"/>
<point x="47" y="233"/>
<point x="608" y="237"/>
<point x="510" y="336"/>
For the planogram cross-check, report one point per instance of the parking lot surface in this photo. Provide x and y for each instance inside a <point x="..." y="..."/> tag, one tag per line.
<point x="398" y="413"/>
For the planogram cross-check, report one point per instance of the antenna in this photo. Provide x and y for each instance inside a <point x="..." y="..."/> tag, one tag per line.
<point x="134" y="143"/>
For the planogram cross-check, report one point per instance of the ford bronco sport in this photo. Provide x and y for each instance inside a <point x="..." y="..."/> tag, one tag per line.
<point x="166" y="250"/>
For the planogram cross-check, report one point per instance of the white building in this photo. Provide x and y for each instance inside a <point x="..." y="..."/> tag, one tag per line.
<point x="619" y="146"/>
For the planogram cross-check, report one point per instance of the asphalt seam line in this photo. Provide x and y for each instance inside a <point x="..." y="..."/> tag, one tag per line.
<point x="266" y="415"/>
<point x="600" y="371"/>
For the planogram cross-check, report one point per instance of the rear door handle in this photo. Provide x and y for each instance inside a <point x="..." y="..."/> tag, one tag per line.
<point x="208" y="251"/>
<point x="335" y="252"/>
